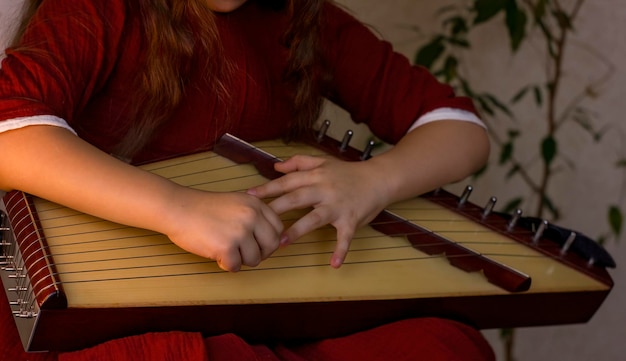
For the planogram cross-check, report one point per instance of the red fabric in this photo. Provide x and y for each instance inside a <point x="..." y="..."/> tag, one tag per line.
<point x="93" y="49"/>
<point x="414" y="339"/>
<point x="167" y="346"/>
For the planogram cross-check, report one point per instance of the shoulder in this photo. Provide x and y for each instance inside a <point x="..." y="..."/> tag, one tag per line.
<point x="339" y="17"/>
<point x="71" y="30"/>
<point x="90" y="17"/>
<point x="69" y="50"/>
<point x="334" y="11"/>
<point x="343" y="33"/>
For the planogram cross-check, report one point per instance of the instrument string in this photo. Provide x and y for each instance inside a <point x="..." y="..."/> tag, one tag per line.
<point x="416" y="256"/>
<point x="115" y="227"/>
<point x="57" y="249"/>
<point x="167" y="260"/>
<point x="217" y="270"/>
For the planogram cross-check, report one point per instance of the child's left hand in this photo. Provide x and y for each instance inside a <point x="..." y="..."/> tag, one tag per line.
<point x="346" y="195"/>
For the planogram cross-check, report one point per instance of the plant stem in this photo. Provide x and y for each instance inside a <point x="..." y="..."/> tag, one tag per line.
<point x="509" y="345"/>
<point x="554" y="86"/>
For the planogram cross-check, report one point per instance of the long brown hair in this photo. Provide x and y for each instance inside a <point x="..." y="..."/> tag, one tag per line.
<point x="175" y="29"/>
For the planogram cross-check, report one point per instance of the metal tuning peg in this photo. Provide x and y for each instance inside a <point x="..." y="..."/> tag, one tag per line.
<point x="489" y="207"/>
<point x="539" y="233"/>
<point x="321" y="133"/>
<point x="465" y="196"/>
<point x="346" y="141"/>
<point x="513" y="222"/>
<point x="367" y="152"/>
<point x="568" y="243"/>
<point x="591" y="262"/>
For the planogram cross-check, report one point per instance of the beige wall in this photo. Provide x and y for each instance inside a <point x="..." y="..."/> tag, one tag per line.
<point x="8" y="12"/>
<point x="583" y="193"/>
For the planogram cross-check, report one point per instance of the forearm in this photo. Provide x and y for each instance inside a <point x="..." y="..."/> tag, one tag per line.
<point x="54" y="164"/>
<point x="431" y="156"/>
<point x="348" y="195"/>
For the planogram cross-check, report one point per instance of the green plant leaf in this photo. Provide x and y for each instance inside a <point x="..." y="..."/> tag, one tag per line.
<point x="484" y="105"/>
<point x="428" y="54"/>
<point x="520" y="94"/>
<point x="467" y="89"/>
<point x="498" y="104"/>
<point x="487" y="9"/>
<point x="516" y="20"/>
<point x="513" y="171"/>
<point x="538" y="96"/>
<point x="548" y="149"/>
<point x="584" y="119"/>
<point x="540" y="10"/>
<point x="450" y="68"/>
<point x="616" y="220"/>
<point x="597" y="137"/>
<point x="506" y="152"/>
<point x="460" y="42"/>
<point x="513" y="133"/>
<point x="564" y="20"/>
<point x="506" y="333"/>
<point x="457" y="24"/>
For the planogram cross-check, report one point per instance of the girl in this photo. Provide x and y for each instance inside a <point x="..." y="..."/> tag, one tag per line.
<point x="90" y="88"/>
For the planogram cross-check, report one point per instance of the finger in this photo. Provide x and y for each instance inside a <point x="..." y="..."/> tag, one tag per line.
<point x="278" y="186"/>
<point x="298" y="163"/>
<point x="230" y="261"/>
<point x="250" y="252"/>
<point x="267" y="237"/>
<point x="298" y="199"/>
<point x="267" y="246"/>
<point x="272" y="217"/>
<point x="282" y="185"/>
<point x="290" y="181"/>
<point x="344" y="238"/>
<point x="313" y="220"/>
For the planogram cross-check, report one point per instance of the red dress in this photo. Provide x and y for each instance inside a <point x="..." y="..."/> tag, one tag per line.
<point x="89" y="50"/>
<point x="428" y="339"/>
<point x="85" y="77"/>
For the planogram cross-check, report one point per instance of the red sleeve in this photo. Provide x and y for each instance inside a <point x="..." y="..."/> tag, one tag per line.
<point x="376" y="85"/>
<point x="66" y="55"/>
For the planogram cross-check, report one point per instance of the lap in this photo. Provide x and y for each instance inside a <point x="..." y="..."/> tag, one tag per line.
<point x="413" y="339"/>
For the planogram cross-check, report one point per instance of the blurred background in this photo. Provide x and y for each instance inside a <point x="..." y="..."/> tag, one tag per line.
<point x="571" y="124"/>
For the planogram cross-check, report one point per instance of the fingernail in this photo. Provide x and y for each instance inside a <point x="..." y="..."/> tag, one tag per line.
<point x="284" y="240"/>
<point x="251" y="191"/>
<point x="336" y="262"/>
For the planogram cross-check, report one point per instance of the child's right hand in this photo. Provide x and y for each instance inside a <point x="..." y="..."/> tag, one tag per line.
<point x="234" y="229"/>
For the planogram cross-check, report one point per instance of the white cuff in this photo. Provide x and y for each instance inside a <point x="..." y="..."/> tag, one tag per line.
<point x="17" y="123"/>
<point x="447" y="114"/>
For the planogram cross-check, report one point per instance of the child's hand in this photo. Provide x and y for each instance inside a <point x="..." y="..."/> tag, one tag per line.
<point x="234" y="229"/>
<point x="343" y="194"/>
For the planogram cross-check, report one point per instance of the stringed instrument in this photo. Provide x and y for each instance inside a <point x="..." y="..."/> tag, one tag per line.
<point x="74" y="280"/>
